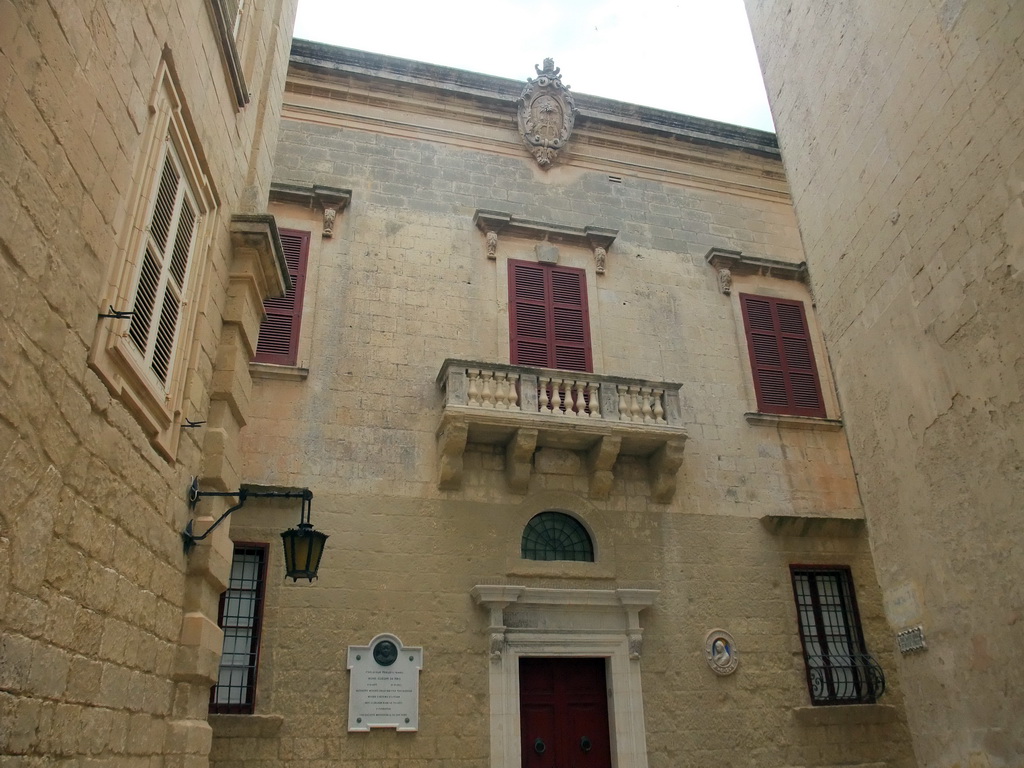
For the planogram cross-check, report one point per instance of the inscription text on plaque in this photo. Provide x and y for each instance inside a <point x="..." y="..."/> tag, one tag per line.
<point x="384" y="687"/>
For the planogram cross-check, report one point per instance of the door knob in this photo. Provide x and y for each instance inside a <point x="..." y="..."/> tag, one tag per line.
<point x="585" y="744"/>
<point x="538" y="746"/>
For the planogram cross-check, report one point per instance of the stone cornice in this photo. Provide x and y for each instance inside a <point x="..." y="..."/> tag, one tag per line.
<point x="314" y="195"/>
<point x="502" y="93"/>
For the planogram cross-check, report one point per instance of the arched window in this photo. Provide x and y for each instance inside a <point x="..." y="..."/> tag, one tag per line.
<point x="556" y="536"/>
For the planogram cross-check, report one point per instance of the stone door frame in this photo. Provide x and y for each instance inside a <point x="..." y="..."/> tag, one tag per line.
<point x="566" y="623"/>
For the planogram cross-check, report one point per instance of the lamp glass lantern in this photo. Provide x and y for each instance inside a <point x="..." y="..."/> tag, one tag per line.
<point x="303" y="548"/>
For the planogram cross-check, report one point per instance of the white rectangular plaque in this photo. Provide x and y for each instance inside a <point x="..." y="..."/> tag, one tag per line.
<point x="384" y="687"/>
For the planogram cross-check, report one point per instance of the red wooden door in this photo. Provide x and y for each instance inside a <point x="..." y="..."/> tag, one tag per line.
<point x="563" y="710"/>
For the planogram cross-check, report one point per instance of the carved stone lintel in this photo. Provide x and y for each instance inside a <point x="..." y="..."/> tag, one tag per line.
<point x="600" y="461"/>
<point x="662" y="468"/>
<point x="333" y="200"/>
<point x="519" y="459"/>
<point x="506" y="225"/>
<point x="547" y="113"/>
<point x="636" y="644"/>
<point x="329" y="215"/>
<point x="451" y="445"/>
<point x="725" y="281"/>
<point x="599" y="258"/>
<point x="736" y="263"/>
<point x="492" y="244"/>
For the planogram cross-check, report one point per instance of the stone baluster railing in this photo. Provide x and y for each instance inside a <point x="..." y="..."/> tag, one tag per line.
<point x="559" y="394"/>
<point x="568" y="396"/>
<point x="640" y="403"/>
<point x="487" y="388"/>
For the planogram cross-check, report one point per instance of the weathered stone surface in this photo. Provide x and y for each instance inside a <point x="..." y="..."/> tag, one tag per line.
<point x="92" y="577"/>
<point x="908" y="177"/>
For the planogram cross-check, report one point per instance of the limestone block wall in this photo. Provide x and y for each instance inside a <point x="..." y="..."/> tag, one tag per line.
<point x="92" y="575"/>
<point x="901" y="131"/>
<point x="405" y="282"/>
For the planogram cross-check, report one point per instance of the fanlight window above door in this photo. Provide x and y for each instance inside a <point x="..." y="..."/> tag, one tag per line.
<point x="556" y="536"/>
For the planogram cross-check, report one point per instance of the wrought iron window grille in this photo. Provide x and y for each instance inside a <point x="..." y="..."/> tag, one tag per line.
<point x="839" y="668"/>
<point x="241" y="618"/>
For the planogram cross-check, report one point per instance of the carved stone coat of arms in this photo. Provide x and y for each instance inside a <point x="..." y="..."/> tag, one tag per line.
<point x="546" y="113"/>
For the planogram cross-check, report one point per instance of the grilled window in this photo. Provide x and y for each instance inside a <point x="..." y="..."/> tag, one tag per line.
<point x="241" y="618"/>
<point x="839" y="669"/>
<point x="556" y="536"/>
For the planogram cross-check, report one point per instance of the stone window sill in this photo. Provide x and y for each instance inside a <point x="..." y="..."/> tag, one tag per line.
<point x="795" y="422"/>
<point x="281" y="372"/>
<point x="845" y="714"/>
<point x="245" y="726"/>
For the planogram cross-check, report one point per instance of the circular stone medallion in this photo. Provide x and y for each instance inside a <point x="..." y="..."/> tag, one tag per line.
<point x="385" y="653"/>
<point x="720" y="652"/>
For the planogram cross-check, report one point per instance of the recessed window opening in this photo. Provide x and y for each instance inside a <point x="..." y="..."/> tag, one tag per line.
<point x="556" y="536"/>
<point x="241" y="618"/>
<point x="839" y="668"/>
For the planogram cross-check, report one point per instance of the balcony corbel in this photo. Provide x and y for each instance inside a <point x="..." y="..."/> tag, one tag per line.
<point x="662" y="469"/>
<point x="600" y="463"/>
<point x="451" y="445"/>
<point x="519" y="459"/>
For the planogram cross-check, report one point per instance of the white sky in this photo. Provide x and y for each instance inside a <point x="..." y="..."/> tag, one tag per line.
<point x="690" y="56"/>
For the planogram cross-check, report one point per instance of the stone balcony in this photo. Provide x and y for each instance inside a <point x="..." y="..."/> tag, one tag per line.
<point x="522" y="409"/>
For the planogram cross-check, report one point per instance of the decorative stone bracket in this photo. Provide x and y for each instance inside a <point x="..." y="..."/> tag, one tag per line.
<point x="331" y="200"/>
<point x="523" y="408"/>
<point x="729" y="263"/>
<point x="494" y="223"/>
<point x="626" y="603"/>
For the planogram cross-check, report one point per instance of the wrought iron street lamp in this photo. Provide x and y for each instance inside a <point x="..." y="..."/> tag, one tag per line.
<point x="303" y="545"/>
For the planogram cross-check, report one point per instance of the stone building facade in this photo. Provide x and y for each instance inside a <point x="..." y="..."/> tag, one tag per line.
<point x="525" y="373"/>
<point x="135" y="254"/>
<point x="902" y="131"/>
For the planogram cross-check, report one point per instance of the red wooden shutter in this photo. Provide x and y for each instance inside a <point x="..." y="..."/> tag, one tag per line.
<point x="549" y="326"/>
<point x="279" y="331"/>
<point x="781" y="358"/>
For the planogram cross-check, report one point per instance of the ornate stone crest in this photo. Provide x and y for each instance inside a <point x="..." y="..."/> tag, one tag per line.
<point x="546" y="113"/>
<point x="720" y="652"/>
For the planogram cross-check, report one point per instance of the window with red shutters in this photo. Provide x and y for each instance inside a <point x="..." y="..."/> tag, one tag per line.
<point x="781" y="358"/>
<point x="279" y="331"/>
<point x="549" y="325"/>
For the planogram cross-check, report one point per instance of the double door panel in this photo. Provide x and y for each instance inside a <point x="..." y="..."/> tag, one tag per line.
<point x="564" y="713"/>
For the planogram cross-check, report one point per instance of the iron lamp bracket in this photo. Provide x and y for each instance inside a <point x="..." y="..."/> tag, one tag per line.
<point x="188" y="536"/>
